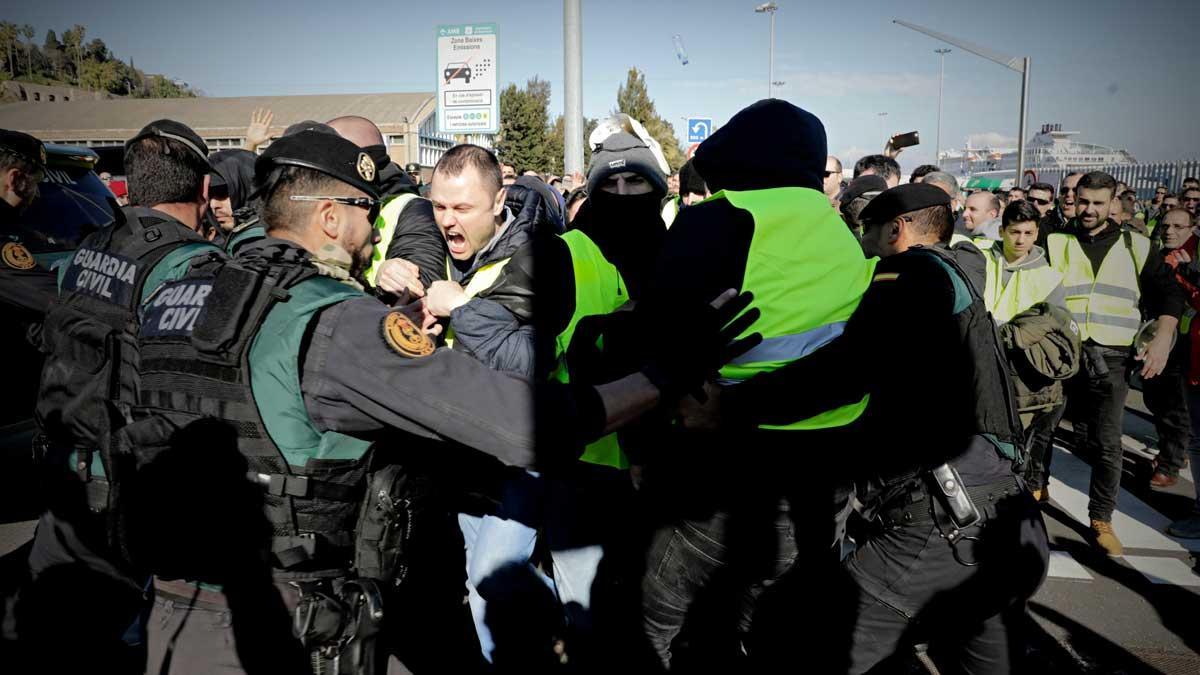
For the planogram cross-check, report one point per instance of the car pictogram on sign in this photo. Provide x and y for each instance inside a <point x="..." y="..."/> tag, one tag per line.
<point x="457" y="71"/>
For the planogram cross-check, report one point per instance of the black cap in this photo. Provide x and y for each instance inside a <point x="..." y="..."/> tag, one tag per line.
<point x="861" y="186"/>
<point x="176" y="131"/>
<point x="24" y="146"/>
<point x="903" y="199"/>
<point x="412" y="167"/>
<point x="328" y="153"/>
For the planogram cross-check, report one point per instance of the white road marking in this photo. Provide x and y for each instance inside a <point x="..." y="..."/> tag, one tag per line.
<point x="1164" y="570"/>
<point x="1063" y="566"/>
<point x="1136" y="524"/>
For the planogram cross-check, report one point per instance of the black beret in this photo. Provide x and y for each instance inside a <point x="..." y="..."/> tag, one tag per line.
<point x="176" y="131"/>
<point x="309" y="125"/>
<point x="24" y="146"/>
<point x="861" y="186"/>
<point x="328" y="153"/>
<point x="903" y="199"/>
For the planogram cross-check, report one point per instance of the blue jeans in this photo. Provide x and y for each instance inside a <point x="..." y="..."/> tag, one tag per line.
<point x="499" y="548"/>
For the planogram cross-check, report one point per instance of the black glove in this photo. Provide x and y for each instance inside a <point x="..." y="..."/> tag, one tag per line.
<point x="688" y="344"/>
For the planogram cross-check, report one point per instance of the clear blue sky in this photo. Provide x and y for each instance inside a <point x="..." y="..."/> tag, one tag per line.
<point x="1123" y="73"/>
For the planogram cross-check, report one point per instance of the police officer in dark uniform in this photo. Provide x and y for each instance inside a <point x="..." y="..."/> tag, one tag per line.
<point x="90" y="379"/>
<point x="312" y="376"/>
<point x="956" y="542"/>
<point x="26" y="288"/>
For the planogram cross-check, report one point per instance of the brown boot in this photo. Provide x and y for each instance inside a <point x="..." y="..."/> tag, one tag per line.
<point x="1163" y="480"/>
<point x="1042" y="495"/>
<point x="1106" y="539"/>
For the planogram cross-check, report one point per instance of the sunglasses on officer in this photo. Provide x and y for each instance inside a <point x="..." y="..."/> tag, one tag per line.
<point x="368" y="203"/>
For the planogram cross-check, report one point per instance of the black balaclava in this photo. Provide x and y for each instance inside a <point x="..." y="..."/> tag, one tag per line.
<point x="629" y="230"/>
<point x="237" y="168"/>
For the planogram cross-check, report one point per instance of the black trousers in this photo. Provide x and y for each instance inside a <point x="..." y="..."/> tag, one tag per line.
<point x="1100" y="404"/>
<point x="1041" y="443"/>
<point x="913" y="587"/>
<point x="1166" y="396"/>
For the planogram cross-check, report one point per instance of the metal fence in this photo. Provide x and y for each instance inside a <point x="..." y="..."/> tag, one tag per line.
<point x="1141" y="177"/>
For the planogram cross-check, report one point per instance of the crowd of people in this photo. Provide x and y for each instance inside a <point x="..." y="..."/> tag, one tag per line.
<point x="300" y="409"/>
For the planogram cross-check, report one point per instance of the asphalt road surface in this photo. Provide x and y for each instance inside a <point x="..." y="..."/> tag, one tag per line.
<point x="1139" y="613"/>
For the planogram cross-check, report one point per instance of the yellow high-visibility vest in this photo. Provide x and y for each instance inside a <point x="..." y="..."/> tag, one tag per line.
<point x="1025" y="288"/>
<point x="1105" y="305"/>
<point x="807" y="273"/>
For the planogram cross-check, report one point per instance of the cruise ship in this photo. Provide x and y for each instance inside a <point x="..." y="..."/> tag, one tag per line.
<point x="1051" y="148"/>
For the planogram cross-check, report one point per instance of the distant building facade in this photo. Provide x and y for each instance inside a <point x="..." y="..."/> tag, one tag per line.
<point x="408" y="120"/>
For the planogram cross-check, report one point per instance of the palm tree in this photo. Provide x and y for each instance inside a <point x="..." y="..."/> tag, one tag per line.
<point x="8" y="33"/>
<point x="80" y="31"/>
<point x="27" y="32"/>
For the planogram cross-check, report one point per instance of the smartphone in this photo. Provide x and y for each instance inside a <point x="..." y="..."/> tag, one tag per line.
<point x="906" y="140"/>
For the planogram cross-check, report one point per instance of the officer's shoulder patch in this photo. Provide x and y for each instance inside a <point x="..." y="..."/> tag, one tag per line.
<point x="404" y="337"/>
<point x="886" y="276"/>
<point x="16" y="256"/>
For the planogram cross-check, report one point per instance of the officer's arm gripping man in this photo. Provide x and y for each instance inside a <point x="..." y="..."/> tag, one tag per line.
<point x="356" y="382"/>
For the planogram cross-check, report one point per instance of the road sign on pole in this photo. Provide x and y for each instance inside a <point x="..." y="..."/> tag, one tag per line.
<point x="698" y="129"/>
<point x="467" y="99"/>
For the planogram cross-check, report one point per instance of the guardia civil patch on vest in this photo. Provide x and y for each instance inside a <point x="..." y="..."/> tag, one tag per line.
<point x="17" y="256"/>
<point x="102" y="275"/>
<point x="175" y="308"/>
<point x="404" y="337"/>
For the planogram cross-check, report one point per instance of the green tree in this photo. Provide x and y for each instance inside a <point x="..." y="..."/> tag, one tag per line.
<point x="634" y="100"/>
<point x="524" y="126"/>
<point x="99" y="76"/>
<point x="52" y="50"/>
<point x="161" y="87"/>
<point x="557" y="145"/>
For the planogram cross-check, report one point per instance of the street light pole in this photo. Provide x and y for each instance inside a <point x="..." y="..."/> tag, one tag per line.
<point x="769" y="8"/>
<point x="573" y="76"/>
<point x="882" y="125"/>
<point x="1019" y="64"/>
<point x="937" y="156"/>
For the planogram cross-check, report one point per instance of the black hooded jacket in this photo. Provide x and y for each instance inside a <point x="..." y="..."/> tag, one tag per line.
<point x="237" y="168"/>
<point x="705" y="250"/>
<point x="496" y="325"/>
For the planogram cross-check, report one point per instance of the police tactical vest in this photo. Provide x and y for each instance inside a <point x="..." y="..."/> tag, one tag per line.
<point x="252" y="231"/>
<point x="995" y="411"/>
<point x="224" y="345"/>
<point x="599" y="289"/>
<point x="389" y="217"/>
<point x="808" y="274"/>
<point x="1025" y="288"/>
<point x="90" y="378"/>
<point x="1105" y="305"/>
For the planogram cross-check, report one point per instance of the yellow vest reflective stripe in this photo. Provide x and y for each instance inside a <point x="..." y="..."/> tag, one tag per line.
<point x="599" y="289"/>
<point x="481" y="280"/>
<point x="385" y="222"/>
<point x="981" y="243"/>
<point x="808" y="274"/>
<point x="1105" y="305"/>
<point x="1025" y="288"/>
